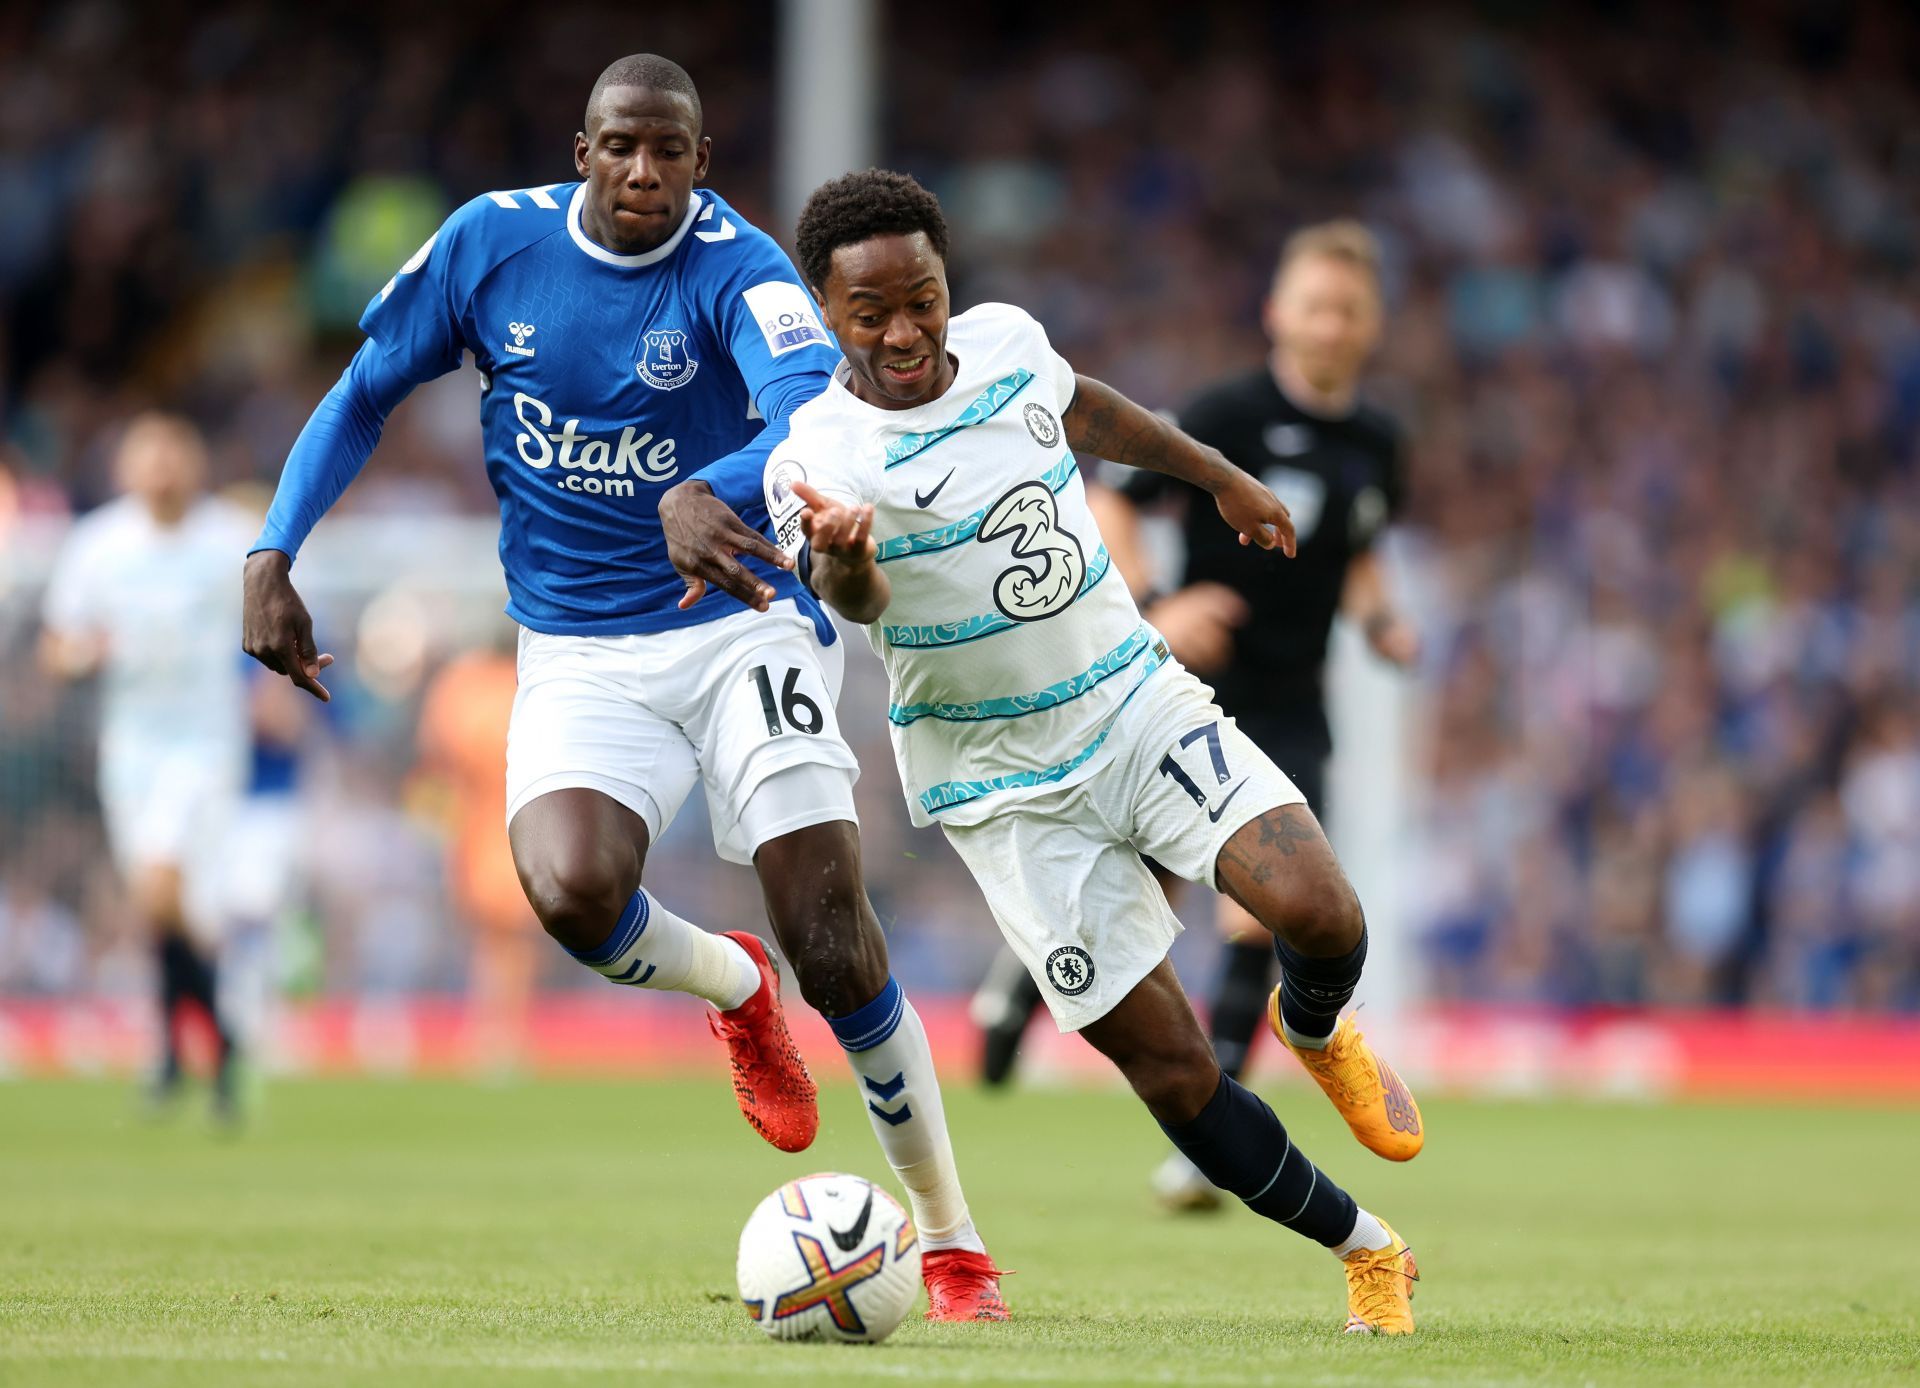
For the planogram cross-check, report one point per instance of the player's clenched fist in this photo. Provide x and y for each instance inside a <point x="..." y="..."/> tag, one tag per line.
<point x="276" y="629"/>
<point x="831" y="527"/>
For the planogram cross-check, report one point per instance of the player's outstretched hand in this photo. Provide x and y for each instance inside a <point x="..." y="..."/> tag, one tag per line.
<point x="832" y="527"/>
<point x="1250" y="507"/>
<point x="703" y="538"/>
<point x="277" y="631"/>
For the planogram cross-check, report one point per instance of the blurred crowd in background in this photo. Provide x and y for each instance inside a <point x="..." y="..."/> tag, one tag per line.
<point x="1654" y="335"/>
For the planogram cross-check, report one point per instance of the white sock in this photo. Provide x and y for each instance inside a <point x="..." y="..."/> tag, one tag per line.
<point x="1305" y="1042"/>
<point x="651" y="947"/>
<point x="887" y="1047"/>
<point x="1367" y="1233"/>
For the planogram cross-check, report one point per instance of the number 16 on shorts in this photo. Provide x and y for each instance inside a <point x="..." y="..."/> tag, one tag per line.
<point x="792" y="709"/>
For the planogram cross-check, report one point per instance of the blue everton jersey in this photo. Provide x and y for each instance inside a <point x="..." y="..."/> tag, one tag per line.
<point x="607" y="379"/>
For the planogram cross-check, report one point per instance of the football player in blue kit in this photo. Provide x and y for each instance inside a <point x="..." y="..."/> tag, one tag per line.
<point x="628" y="328"/>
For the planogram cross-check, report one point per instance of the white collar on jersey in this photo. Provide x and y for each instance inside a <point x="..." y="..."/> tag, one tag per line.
<point x="630" y="262"/>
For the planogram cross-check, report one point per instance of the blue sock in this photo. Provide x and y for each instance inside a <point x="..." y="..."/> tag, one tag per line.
<point x="1240" y="1146"/>
<point x="624" y="936"/>
<point x="651" y="947"/>
<point x="1312" y="991"/>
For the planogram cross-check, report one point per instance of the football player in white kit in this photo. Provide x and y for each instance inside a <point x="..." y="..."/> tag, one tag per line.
<point x="932" y="494"/>
<point x="143" y="596"/>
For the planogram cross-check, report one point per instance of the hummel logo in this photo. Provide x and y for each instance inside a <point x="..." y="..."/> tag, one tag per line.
<point x="1215" y="814"/>
<point x="521" y="332"/>
<point x="726" y="232"/>
<point x="849" y="1239"/>
<point x="927" y="499"/>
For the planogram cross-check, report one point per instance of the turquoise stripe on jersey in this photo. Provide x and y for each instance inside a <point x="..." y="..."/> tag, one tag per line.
<point x="947" y="536"/>
<point x="985" y="406"/>
<point x="1019" y="705"/>
<point x="950" y="793"/>
<point x="988" y="623"/>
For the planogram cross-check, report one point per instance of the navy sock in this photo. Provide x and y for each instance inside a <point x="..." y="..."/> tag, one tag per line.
<point x="1239" y="1002"/>
<point x="1240" y="1146"/>
<point x="172" y="980"/>
<point x="1312" y="991"/>
<point x="186" y="975"/>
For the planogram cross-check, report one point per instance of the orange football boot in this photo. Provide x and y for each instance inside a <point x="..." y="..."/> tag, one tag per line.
<point x="1380" y="1288"/>
<point x="1376" y="1103"/>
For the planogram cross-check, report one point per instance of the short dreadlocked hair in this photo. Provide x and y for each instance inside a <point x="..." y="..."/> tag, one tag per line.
<point x="859" y="206"/>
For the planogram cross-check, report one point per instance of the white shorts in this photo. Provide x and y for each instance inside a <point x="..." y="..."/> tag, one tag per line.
<point x="171" y="804"/>
<point x="265" y="857"/>
<point x="1062" y="873"/>
<point x="728" y="704"/>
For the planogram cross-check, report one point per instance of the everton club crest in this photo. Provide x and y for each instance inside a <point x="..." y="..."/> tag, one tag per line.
<point x="664" y="363"/>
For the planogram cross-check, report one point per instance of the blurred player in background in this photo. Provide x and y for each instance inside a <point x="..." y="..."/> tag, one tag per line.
<point x="266" y="854"/>
<point x="933" y="495"/>
<point x="463" y="750"/>
<point x="631" y="332"/>
<point x="142" y="596"/>
<point x="1258" y="632"/>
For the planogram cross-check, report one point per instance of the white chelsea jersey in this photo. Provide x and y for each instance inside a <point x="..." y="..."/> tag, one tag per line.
<point x="1010" y="644"/>
<point x="166" y="601"/>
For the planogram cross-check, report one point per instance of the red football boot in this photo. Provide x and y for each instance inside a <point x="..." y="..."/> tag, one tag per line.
<point x="770" y="1079"/>
<point x="963" y="1286"/>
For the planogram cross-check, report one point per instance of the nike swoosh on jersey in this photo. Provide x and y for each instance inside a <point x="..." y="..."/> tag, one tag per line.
<point x="849" y="1239"/>
<point x="926" y="499"/>
<point x="1215" y="814"/>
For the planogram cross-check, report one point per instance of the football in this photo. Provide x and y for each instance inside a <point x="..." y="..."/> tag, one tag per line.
<point x="829" y="1257"/>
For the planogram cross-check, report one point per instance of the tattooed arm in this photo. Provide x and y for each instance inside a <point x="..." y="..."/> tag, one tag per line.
<point x="1103" y="422"/>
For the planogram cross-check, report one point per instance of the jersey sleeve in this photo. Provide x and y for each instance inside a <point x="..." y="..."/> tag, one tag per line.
<point x="1394" y="480"/>
<point x="416" y="315"/>
<point x="1059" y="371"/>
<point x="828" y="470"/>
<point x="784" y="356"/>
<point x="1380" y="505"/>
<point x="335" y="444"/>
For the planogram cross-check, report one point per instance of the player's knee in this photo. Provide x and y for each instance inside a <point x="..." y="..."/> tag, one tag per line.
<point x="841" y="970"/>
<point x="578" y="894"/>
<point x="1336" y="923"/>
<point x="819" y="909"/>
<point x="1318" y="914"/>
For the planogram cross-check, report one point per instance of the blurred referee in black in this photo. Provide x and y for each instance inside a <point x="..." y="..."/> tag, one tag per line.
<point x="1258" y="631"/>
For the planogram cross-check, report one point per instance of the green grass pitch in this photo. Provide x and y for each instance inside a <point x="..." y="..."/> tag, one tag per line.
<point x="556" y="1233"/>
